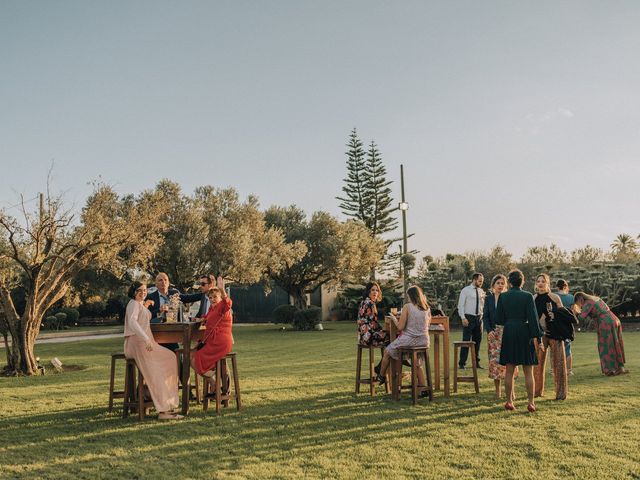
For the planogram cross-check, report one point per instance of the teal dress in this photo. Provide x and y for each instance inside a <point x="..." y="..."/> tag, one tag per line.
<point x="516" y="310"/>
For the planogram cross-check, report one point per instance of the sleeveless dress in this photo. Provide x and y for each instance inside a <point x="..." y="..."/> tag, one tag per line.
<point x="415" y="333"/>
<point x="610" y="344"/>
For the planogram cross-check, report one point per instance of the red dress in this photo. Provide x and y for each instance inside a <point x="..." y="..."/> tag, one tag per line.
<point x="218" y="340"/>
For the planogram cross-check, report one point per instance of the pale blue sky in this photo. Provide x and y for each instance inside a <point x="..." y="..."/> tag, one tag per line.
<point x="508" y="116"/>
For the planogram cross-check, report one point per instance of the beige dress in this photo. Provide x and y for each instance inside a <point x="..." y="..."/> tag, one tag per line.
<point x="159" y="366"/>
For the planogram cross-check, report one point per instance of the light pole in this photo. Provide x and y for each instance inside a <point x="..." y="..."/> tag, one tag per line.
<point x="403" y="207"/>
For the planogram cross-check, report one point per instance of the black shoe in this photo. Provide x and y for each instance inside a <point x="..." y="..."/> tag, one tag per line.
<point x="381" y="380"/>
<point x="424" y="394"/>
<point x="406" y="363"/>
<point x="461" y="367"/>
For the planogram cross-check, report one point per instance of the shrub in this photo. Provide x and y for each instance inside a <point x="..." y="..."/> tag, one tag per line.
<point x="72" y="315"/>
<point x="307" y="319"/>
<point x="116" y="307"/>
<point x="93" y="307"/>
<point x="62" y="319"/>
<point x="51" y="323"/>
<point x="284" y="313"/>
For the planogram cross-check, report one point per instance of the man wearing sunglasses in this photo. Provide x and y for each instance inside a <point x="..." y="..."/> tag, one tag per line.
<point x="206" y="283"/>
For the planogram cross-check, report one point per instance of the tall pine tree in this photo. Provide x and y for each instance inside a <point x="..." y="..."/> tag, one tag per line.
<point x="353" y="204"/>
<point x="377" y="195"/>
<point x="367" y="192"/>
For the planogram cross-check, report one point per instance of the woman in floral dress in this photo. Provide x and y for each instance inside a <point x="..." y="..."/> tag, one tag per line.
<point x="610" y="344"/>
<point x="370" y="332"/>
<point x="494" y="331"/>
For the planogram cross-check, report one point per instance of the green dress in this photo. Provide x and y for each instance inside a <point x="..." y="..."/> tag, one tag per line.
<point x="516" y="310"/>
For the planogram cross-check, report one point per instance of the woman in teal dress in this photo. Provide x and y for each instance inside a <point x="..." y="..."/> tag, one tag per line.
<point x="610" y="345"/>
<point x="516" y="310"/>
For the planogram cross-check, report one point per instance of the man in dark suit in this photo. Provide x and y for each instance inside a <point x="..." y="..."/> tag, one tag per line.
<point x="160" y="305"/>
<point x="206" y="282"/>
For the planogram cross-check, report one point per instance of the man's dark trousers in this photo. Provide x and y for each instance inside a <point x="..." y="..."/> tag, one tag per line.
<point x="472" y="332"/>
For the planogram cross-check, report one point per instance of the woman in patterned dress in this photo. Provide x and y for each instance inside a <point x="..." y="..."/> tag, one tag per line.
<point x="610" y="344"/>
<point x="494" y="331"/>
<point x="370" y="332"/>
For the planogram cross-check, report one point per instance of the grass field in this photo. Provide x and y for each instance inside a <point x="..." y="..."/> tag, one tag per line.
<point x="302" y="419"/>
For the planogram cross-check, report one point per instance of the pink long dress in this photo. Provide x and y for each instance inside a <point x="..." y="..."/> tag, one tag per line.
<point x="159" y="366"/>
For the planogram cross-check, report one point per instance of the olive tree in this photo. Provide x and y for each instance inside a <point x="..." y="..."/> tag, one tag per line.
<point x="42" y="250"/>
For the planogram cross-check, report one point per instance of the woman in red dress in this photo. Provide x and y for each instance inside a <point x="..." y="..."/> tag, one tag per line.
<point x="218" y="340"/>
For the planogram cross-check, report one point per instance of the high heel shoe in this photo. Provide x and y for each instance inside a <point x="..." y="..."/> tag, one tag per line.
<point x="531" y="408"/>
<point x="509" y="406"/>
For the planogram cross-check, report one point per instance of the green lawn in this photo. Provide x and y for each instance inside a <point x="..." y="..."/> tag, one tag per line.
<point x="302" y="419"/>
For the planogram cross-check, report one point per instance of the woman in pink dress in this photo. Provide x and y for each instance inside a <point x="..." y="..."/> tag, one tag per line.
<point x="157" y="364"/>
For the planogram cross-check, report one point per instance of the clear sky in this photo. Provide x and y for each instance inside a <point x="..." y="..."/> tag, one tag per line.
<point x="517" y="122"/>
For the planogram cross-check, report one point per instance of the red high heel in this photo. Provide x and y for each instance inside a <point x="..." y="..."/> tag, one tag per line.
<point x="531" y="408"/>
<point x="509" y="406"/>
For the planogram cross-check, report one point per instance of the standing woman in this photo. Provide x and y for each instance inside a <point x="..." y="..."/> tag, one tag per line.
<point x="546" y="304"/>
<point x="494" y="331"/>
<point x="157" y="364"/>
<point x="516" y="310"/>
<point x="568" y="301"/>
<point x="610" y="345"/>
<point x="370" y="332"/>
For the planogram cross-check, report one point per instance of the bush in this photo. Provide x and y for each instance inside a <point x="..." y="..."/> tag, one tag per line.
<point x="62" y="319"/>
<point x="284" y="313"/>
<point x="116" y="307"/>
<point x="93" y="308"/>
<point x="72" y="316"/>
<point x="307" y="319"/>
<point x="51" y="323"/>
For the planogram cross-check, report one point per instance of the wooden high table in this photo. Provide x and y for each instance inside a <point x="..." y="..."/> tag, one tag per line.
<point x="439" y="328"/>
<point x="183" y="333"/>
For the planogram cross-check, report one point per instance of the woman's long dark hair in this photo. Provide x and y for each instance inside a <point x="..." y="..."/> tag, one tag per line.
<point x="133" y="288"/>
<point x="368" y="288"/>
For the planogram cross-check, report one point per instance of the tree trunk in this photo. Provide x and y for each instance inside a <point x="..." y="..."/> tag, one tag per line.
<point x="299" y="298"/>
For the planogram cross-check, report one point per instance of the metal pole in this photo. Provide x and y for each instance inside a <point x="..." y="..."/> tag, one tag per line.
<point x="404" y="234"/>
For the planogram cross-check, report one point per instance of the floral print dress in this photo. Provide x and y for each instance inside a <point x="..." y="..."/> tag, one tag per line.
<point x="610" y="345"/>
<point x="370" y="332"/>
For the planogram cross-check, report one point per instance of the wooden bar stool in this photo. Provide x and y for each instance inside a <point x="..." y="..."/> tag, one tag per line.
<point x="415" y="353"/>
<point x="134" y="393"/>
<point x="112" y="379"/>
<point x="211" y="386"/>
<point x="371" y="381"/>
<point x="179" y="352"/>
<point x="472" y="352"/>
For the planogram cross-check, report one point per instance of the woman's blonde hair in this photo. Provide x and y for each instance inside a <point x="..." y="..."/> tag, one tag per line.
<point x="546" y="279"/>
<point x="417" y="297"/>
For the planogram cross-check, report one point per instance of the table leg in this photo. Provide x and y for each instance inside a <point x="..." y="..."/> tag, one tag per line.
<point x="186" y="369"/>
<point x="436" y="361"/>
<point x="446" y="362"/>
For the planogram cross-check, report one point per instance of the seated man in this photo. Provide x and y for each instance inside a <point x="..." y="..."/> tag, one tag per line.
<point x="160" y="305"/>
<point x="207" y="282"/>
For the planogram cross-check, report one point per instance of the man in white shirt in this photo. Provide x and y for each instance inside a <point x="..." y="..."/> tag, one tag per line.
<point x="470" y="306"/>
